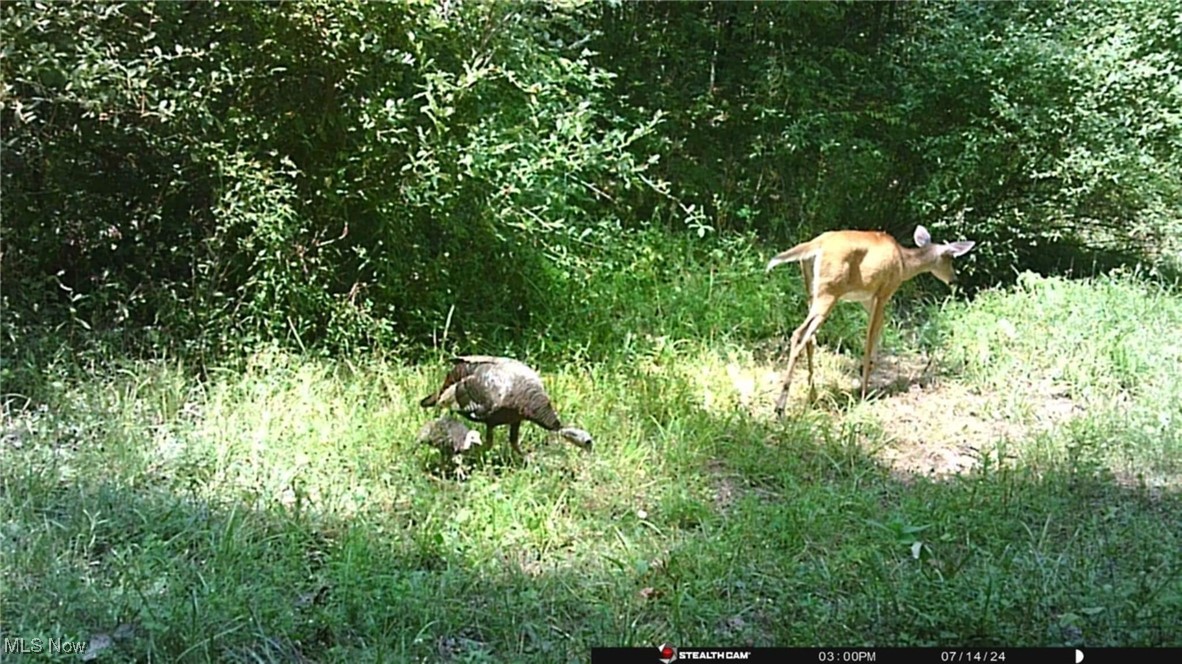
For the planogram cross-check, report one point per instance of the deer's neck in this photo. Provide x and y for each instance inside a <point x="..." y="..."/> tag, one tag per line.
<point x="917" y="260"/>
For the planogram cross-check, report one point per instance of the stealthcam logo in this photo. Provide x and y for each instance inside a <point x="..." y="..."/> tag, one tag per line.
<point x="668" y="653"/>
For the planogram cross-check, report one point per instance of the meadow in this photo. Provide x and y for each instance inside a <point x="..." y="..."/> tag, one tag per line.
<point x="1013" y="480"/>
<point x="240" y="240"/>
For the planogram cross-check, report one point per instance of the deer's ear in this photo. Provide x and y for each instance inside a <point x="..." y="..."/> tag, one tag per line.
<point x="958" y="249"/>
<point x="922" y="237"/>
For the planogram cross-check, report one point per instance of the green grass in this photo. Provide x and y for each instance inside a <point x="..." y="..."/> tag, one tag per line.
<point x="281" y="510"/>
<point x="1112" y="346"/>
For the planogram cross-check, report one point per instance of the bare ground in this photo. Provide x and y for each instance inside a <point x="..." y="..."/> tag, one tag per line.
<point x="924" y="425"/>
<point x="929" y="426"/>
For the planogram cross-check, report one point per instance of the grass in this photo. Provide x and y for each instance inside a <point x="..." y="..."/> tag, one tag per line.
<point x="1110" y="346"/>
<point x="281" y="511"/>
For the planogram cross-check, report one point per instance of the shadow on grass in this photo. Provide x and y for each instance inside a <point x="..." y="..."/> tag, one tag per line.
<point x="998" y="557"/>
<point x="786" y="534"/>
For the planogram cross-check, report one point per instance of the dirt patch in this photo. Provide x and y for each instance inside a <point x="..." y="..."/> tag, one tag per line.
<point x="931" y="427"/>
<point x="726" y="487"/>
<point x="460" y="647"/>
<point x="729" y="487"/>
<point x="938" y="428"/>
<point x="752" y="629"/>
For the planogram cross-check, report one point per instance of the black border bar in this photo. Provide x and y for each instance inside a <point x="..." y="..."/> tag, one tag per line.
<point x="1067" y="655"/>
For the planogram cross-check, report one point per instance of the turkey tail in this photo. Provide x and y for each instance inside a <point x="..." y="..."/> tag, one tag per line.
<point x="458" y="372"/>
<point x="800" y="252"/>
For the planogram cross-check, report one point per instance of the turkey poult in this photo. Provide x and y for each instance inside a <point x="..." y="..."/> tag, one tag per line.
<point x="497" y="391"/>
<point x="449" y="436"/>
<point x="452" y="439"/>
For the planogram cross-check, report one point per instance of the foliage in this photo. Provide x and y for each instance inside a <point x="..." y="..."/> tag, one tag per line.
<point x="324" y="172"/>
<point x="334" y="176"/>
<point x="1047" y="131"/>
<point x="1054" y="126"/>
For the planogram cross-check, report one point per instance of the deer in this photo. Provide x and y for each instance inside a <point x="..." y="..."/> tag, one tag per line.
<point x="859" y="266"/>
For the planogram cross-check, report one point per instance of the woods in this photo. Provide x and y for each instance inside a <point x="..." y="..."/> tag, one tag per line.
<point x="200" y="177"/>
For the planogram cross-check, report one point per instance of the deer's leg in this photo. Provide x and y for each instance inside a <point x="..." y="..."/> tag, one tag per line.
<point x="868" y="305"/>
<point x="806" y="271"/>
<point x="801" y="338"/>
<point x="793" y="352"/>
<point x="874" y="329"/>
<point x="808" y="352"/>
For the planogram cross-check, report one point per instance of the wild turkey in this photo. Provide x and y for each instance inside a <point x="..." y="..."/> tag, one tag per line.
<point x="498" y="391"/>
<point x="449" y="436"/>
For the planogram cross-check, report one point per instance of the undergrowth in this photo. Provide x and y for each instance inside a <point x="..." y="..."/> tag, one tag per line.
<point x="280" y="509"/>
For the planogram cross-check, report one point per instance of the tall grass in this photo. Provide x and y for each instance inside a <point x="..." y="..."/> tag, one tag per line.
<point x="281" y="511"/>
<point x="1111" y="345"/>
<point x="656" y="288"/>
